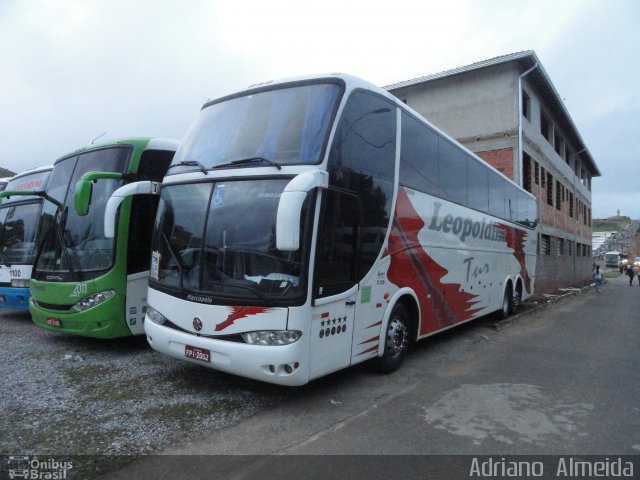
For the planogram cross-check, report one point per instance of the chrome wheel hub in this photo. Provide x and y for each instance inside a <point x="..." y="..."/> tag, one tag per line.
<point x="397" y="337"/>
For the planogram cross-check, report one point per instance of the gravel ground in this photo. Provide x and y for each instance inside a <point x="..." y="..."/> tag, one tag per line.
<point x="67" y="395"/>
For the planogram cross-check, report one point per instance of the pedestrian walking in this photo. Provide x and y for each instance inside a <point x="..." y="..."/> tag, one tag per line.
<point x="597" y="276"/>
<point x="631" y="274"/>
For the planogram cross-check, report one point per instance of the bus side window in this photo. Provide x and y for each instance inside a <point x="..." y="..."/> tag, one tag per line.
<point x="337" y="243"/>
<point x="143" y="215"/>
<point x="153" y="166"/>
<point x="362" y="162"/>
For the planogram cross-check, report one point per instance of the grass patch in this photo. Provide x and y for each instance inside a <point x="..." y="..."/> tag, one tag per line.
<point x="184" y="413"/>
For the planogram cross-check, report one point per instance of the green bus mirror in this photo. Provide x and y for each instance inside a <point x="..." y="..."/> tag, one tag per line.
<point x="82" y="197"/>
<point x="84" y="189"/>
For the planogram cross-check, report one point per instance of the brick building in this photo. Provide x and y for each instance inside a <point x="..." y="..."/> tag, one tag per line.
<point x="508" y="112"/>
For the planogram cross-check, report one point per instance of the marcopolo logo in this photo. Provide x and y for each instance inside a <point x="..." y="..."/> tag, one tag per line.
<point x="34" y="468"/>
<point x="465" y="227"/>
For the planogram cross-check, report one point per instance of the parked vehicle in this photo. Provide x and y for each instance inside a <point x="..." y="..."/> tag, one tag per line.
<point x="20" y="214"/>
<point x="302" y="228"/>
<point x="84" y="282"/>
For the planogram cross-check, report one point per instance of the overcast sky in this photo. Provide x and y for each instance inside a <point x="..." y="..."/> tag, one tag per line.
<point x="71" y="70"/>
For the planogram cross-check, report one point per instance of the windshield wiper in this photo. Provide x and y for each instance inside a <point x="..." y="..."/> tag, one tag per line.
<point x="244" y="161"/>
<point x="175" y="259"/>
<point x="59" y="219"/>
<point x="226" y="285"/>
<point x="190" y="163"/>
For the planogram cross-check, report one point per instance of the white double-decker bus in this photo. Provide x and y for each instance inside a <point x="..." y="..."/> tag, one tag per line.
<point x="312" y="224"/>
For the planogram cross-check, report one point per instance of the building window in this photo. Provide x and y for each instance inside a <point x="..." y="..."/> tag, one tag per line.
<point x="560" y="247"/>
<point x="558" y="143"/>
<point x="571" y="205"/>
<point x="526" y="172"/>
<point x="545" y="245"/>
<point x="546" y="127"/>
<point x="559" y="193"/>
<point x="549" y="189"/>
<point x="536" y="172"/>
<point x="543" y="176"/>
<point x="526" y="106"/>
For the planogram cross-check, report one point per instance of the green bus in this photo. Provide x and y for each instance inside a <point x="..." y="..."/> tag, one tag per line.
<point x="84" y="283"/>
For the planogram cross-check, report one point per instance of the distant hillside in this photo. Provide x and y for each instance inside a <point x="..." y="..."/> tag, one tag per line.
<point x="611" y="224"/>
<point x="6" y="173"/>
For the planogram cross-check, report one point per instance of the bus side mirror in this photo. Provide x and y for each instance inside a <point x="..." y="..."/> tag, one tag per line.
<point x="82" y="198"/>
<point x="84" y="189"/>
<point x="111" y="210"/>
<point x="290" y="208"/>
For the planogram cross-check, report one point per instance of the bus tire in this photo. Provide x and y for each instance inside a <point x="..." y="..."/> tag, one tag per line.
<point x="507" y="302"/>
<point x="517" y="297"/>
<point x="397" y="340"/>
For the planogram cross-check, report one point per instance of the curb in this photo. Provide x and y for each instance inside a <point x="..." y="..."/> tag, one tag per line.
<point x="512" y="320"/>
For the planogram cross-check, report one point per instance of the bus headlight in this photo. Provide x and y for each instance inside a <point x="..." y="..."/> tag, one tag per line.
<point x="272" y="337"/>
<point x="155" y="316"/>
<point x="93" y="300"/>
<point x="20" y="283"/>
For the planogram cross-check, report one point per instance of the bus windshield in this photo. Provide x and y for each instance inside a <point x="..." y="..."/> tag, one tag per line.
<point x="225" y="246"/>
<point x="74" y="247"/>
<point x="284" y="126"/>
<point x="18" y="226"/>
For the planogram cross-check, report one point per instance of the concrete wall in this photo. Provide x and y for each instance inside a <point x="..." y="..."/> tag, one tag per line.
<point x="556" y="271"/>
<point x="482" y="101"/>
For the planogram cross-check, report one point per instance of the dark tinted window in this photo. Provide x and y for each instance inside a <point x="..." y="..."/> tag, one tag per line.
<point x="362" y="162"/>
<point x="453" y="172"/>
<point x="478" y="183"/>
<point x="143" y="214"/>
<point x="419" y="156"/>
<point x="526" y="210"/>
<point x="338" y="242"/>
<point x="154" y="164"/>
<point x="497" y="195"/>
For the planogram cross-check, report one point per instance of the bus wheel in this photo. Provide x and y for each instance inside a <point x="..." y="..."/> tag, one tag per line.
<point x="396" y="343"/>
<point x="517" y="298"/>
<point x="507" y="303"/>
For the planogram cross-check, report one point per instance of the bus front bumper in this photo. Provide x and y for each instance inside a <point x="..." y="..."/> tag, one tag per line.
<point x="15" y="298"/>
<point x="105" y="320"/>
<point x="282" y="365"/>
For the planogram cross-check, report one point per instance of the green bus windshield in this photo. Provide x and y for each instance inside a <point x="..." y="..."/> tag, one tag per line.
<point x="74" y="247"/>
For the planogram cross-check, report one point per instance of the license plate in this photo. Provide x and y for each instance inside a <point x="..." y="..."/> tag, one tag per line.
<point x="54" y="322"/>
<point x="196" y="353"/>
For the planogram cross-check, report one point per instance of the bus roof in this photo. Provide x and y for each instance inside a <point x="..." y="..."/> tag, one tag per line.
<point x="148" y="143"/>
<point x="35" y="179"/>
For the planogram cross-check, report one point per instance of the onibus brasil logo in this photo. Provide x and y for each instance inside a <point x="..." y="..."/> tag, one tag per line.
<point x="34" y="468"/>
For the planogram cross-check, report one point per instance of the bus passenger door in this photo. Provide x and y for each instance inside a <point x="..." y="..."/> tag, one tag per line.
<point x="331" y="334"/>
<point x="334" y="284"/>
